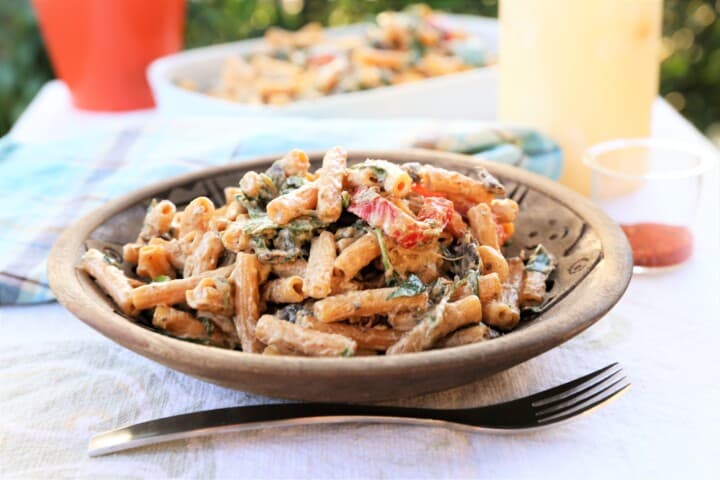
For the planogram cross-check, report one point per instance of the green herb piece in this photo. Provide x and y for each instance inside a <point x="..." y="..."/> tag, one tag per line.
<point x="390" y="274"/>
<point x="160" y="279"/>
<point x="346" y="353"/>
<point x="208" y="325"/>
<point x="292" y="183"/>
<point x="540" y="260"/>
<point x="110" y="261"/>
<point x="473" y="280"/>
<point x="345" y="200"/>
<point x="409" y="288"/>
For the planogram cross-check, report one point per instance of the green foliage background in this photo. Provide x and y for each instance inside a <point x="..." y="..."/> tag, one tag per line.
<point x="690" y="72"/>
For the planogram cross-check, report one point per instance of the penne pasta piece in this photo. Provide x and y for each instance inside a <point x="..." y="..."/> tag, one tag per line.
<point x="233" y="208"/>
<point x="112" y="280"/>
<point x="204" y="256"/>
<point x="213" y="294"/>
<point x="224" y="323"/>
<point x="157" y="220"/>
<point x="395" y="181"/>
<point x="368" y="338"/>
<point x="457" y="186"/>
<point x="290" y="268"/>
<point x="505" y="210"/>
<point x="483" y="226"/>
<point x="342" y="285"/>
<point x="276" y="350"/>
<point x="284" y="290"/>
<point x="343" y="243"/>
<point x="365" y="303"/>
<point x="185" y="325"/>
<point x="330" y="182"/>
<point x="196" y="216"/>
<point x="403" y="321"/>
<point x="394" y="59"/>
<point x="172" y="291"/>
<point x="532" y="292"/>
<point x="504" y="313"/>
<point x="285" y="335"/>
<point x="493" y="261"/>
<point x="251" y="184"/>
<point x="489" y="287"/>
<point x="153" y="262"/>
<point x="438" y="323"/>
<point x="234" y="237"/>
<point x="294" y="163"/>
<point x="319" y="272"/>
<point x="466" y="336"/>
<point x="281" y="210"/>
<point x="247" y="301"/>
<point x="173" y="250"/>
<point x="131" y="252"/>
<point x="357" y="255"/>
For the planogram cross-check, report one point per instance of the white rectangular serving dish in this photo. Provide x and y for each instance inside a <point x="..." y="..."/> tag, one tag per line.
<point x="465" y="95"/>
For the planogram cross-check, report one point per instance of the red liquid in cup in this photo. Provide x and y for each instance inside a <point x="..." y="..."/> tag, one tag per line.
<point x="659" y="245"/>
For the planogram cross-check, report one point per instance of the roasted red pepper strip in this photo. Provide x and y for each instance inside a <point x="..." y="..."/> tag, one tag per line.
<point x="407" y="231"/>
<point x="419" y="189"/>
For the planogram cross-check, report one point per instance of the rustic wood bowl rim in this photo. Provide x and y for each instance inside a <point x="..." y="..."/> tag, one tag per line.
<point x="591" y="299"/>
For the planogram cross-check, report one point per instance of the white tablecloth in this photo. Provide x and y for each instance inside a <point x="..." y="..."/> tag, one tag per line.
<point x="60" y="382"/>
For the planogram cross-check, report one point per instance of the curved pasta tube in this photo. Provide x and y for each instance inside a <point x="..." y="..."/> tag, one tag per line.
<point x="493" y="262"/>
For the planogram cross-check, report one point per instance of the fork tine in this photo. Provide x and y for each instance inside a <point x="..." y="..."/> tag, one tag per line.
<point x="585" y="405"/>
<point x="550" y="394"/>
<point x="556" y="401"/>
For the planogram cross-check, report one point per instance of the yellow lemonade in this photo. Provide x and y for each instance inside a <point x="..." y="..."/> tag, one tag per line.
<point x="582" y="71"/>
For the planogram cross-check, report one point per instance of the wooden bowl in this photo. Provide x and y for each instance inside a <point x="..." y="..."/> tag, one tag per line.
<point x="594" y="269"/>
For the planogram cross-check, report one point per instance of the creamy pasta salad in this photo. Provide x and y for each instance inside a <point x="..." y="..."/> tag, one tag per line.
<point x="372" y="258"/>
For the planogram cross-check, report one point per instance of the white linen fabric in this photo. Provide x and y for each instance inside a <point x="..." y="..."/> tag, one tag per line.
<point x="61" y="382"/>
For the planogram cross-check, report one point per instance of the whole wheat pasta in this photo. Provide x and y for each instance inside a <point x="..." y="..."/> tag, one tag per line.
<point x="205" y="255"/>
<point x="357" y="255"/>
<point x="213" y="294"/>
<point x="505" y="210"/>
<point x="285" y="208"/>
<point x="465" y="336"/>
<point x="185" y="325"/>
<point x="282" y="334"/>
<point x="329" y="202"/>
<point x="438" y="323"/>
<point x="504" y="313"/>
<point x="290" y="268"/>
<point x="284" y="290"/>
<point x="196" y="216"/>
<point x="153" y="261"/>
<point x="374" y="258"/>
<point x="171" y="291"/>
<point x="318" y="276"/>
<point x="366" y="302"/>
<point x="483" y="226"/>
<point x="157" y="220"/>
<point x="247" y="301"/>
<point x="110" y="278"/>
<point x="368" y="338"/>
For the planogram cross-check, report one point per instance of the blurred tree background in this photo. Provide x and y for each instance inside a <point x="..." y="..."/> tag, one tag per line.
<point x="690" y="72"/>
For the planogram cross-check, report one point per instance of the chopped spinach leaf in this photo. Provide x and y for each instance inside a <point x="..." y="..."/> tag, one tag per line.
<point x="160" y="279"/>
<point x="409" y="288"/>
<point x="540" y="260"/>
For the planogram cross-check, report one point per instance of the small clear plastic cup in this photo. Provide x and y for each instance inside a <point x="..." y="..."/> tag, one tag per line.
<point x="651" y="188"/>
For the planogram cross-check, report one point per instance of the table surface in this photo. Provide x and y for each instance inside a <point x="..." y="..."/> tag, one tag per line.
<point x="62" y="382"/>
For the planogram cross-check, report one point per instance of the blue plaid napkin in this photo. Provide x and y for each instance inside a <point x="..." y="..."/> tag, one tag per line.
<point x="45" y="187"/>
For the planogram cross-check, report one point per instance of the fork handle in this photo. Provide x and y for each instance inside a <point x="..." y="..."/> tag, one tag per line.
<point x="253" y="417"/>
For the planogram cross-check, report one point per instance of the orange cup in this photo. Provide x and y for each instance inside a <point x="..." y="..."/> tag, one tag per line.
<point x="101" y="48"/>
